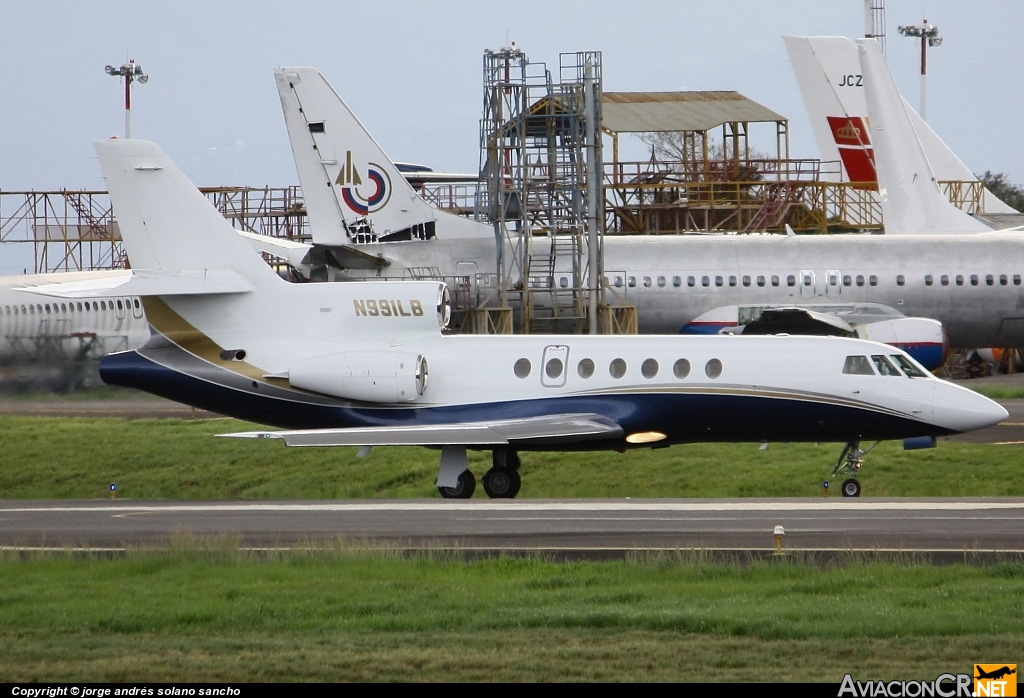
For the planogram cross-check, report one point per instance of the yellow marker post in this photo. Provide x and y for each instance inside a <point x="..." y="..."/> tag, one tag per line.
<point x="780" y="533"/>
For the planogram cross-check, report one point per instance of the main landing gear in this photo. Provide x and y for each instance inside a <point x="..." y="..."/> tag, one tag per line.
<point x="850" y="461"/>
<point x="456" y="481"/>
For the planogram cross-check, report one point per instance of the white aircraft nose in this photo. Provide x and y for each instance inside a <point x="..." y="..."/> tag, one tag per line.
<point x="964" y="410"/>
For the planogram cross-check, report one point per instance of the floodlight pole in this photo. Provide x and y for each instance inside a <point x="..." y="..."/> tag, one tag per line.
<point x="929" y="35"/>
<point x="129" y="72"/>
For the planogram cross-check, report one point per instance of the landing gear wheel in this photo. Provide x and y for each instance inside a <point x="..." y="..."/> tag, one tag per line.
<point x="850" y="488"/>
<point x="502" y="483"/>
<point x="463" y="490"/>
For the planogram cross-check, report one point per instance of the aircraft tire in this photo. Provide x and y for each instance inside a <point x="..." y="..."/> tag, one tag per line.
<point x="502" y="483"/>
<point x="463" y="490"/>
<point x="850" y="488"/>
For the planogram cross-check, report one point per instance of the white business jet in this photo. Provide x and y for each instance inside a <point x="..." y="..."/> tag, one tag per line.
<point x="372" y="364"/>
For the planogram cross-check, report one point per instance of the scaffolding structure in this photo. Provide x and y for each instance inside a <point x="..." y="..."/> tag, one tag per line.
<point x="77" y="231"/>
<point x="540" y="151"/>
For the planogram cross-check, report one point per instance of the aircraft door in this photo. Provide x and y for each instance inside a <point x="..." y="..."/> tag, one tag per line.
<point x="807" y="282"/>
<point x="833" y="283"/>
<point x="137" y="311"/>
<point x="554" y="367"/>
<point x="119" y="306"/>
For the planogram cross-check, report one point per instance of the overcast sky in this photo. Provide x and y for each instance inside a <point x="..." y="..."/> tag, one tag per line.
<point x="411" y="71"/>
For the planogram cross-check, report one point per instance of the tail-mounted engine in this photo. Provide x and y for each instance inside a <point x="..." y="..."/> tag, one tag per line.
<point x="367" y="376"/>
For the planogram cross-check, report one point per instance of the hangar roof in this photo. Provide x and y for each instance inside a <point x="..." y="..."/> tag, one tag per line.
<point x="648" y="112"/>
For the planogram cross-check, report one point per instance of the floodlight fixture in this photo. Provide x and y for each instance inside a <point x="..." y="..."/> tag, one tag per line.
<point x="929" y="35"/>
<point x="129" y="72"/>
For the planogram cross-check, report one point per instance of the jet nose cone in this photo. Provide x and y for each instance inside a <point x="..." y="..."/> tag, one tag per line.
<point x="964" y="410"/>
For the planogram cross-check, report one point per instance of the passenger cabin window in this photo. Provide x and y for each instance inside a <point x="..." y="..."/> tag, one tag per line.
<point x="732" y="280"/>
<point x="713" y="368"/>
<point x="775" y="281"/>
<point x="661" y="282"/>
<point x="563" y="282"/>
<point x="585" y="368"/>
<point x="959" y="280"/>
<point x="928" y="280"/>
<point x="909" y="367"/>
<point x="617" y="368"/>
<point x="884" y="366"/>
<point x="858" y="366"/>
<point x="847" y="280"/>
<point x="990" y="280"/>
<point x="719" y="281"/>
<point x="873" y="280"/>
<point x="833" y="279"/>
<point x="649" y="368"/>
<point x="791" y="280"/>
<point x="901" y="280"/>
<point x="1016" y="279"/>
<point x="974" y="279"/>
<point x="677" y="281"/>
<point x="522" y="368"/>
<point x="705" y="281"/>
<point x="746" y="280"/>
<point x="632" y="282"/>
<point x="553" y="368"/>
<point x="760" y="281"/>
<point x="860" y="280"/>
<point x="647" y="282"/>
<point x="807" y="279"/>
<point x="618" y="282"/>
<point x="1003" y="280"/>
<point x="944" y="280"/>
<point x="681" y="368"/>
<point x="691" y="281"/>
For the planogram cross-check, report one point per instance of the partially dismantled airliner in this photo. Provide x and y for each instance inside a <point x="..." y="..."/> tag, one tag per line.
<point x="371" y="363"/>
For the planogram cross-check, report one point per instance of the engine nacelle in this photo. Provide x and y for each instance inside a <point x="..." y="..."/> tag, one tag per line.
<point x="922" y="338"/>
<point x="367" y="376"/>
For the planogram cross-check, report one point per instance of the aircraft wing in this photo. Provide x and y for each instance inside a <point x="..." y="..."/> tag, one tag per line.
<point x="125" y="282"/>
<point x="556" y="429"/>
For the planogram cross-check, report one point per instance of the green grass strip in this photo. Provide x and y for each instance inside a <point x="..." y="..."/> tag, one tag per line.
<point x="226" y="615"/>
<point x="46" y="457"/>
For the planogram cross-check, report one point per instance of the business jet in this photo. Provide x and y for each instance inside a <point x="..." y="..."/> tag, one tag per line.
<point x="924" y="294"/>
<point x="367" y="364"/>
<point x="842" y="85"/>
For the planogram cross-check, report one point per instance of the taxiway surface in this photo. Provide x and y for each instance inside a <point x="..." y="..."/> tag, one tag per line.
<point x="829" y="523"/>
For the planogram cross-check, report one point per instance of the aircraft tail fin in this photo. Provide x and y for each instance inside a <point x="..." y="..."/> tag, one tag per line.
<point x="353" y="191"/>
<point x="911" y="199"/>
<point x="828" y="71"/>
<point x="169" y="228"/>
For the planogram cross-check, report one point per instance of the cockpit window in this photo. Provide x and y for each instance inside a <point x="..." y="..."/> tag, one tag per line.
<point x="884" y="366"/>
<point x="909" y="367"/>
<point x="858" y="365"/>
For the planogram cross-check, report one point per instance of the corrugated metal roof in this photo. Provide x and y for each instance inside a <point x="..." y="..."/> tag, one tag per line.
<point x="648" y="112"/>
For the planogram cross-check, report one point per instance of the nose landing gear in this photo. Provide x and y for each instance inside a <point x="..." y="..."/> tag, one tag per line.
<point x="850" y="461"/>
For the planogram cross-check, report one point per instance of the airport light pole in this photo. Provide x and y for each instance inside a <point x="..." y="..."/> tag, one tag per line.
<point x="929" y="35"/>
<point x="129" y="72"/>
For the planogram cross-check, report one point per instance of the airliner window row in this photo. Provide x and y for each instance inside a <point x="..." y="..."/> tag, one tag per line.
<point x="806" y="279"/>
<point x="616" y="369"/>
<point x="41" y="308"/>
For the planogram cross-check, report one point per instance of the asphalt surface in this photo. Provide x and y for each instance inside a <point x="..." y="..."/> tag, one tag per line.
<point x="828" y="523"/>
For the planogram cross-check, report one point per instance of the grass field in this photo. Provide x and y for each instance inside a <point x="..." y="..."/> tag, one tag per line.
<point x="44" y="457"/>
<point x="226" y="616"/>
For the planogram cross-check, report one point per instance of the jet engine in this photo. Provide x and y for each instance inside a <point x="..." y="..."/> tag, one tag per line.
<point x="367" y="376"/>
<point x="923" y="338"/>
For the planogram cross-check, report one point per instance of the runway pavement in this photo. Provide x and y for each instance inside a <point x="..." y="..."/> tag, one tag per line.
<point x="829" y="523"/>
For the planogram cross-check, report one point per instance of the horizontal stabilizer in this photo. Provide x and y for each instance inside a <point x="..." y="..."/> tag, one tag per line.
<point x="550" y="430"/>
<point x="138" y="283"/>
<point x="290" y="250"/>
